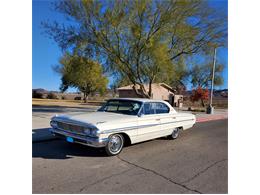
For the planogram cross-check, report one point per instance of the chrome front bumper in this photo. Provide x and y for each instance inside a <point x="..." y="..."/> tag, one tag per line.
<point x="89" y="141"/>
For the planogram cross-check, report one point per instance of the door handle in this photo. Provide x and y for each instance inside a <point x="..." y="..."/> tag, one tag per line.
<point x="158" y="119"/>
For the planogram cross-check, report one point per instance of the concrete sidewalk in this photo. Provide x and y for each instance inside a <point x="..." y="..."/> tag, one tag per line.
<point x="41" y="125"/>
<point x="203" y="117"/>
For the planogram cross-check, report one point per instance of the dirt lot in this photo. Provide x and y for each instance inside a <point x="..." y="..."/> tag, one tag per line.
<point x="216" y="102"/>
<point x="64" y="103"/>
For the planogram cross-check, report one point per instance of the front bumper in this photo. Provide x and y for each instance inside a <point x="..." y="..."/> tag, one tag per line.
<point x="89" y="141"/>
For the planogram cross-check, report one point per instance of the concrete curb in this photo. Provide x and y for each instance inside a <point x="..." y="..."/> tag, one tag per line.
<point x="211" y="118"/>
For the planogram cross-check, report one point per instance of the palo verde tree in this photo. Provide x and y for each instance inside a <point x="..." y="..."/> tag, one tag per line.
<point x="142" y="40"/>
<point x="81" y="73"/>
<point x="201" y="75"/>
<point x="179" y="75"/>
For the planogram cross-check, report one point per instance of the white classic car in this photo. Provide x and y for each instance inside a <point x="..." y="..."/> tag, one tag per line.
<point x="120" y="121"/>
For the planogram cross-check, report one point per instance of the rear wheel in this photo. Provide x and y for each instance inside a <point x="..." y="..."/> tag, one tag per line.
<point x="114" y="145"/>
<point x="175" y="133"/>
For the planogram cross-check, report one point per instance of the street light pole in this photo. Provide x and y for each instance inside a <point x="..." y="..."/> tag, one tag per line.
<point x="210" y="109"/>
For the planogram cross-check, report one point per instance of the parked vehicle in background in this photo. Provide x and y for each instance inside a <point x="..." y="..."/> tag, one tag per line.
<point x="120" y="121"/>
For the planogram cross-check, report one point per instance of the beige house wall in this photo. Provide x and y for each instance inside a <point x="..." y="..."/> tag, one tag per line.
<point x="158" y="93"/>
<point x="161" y="93"/>
<point x="127" y="93"/>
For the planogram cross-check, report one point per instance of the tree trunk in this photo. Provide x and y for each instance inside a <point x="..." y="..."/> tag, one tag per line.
<point x="85" y="97"/>
<point x="202" y="103"/>
<point x="150" y="90"/>
<point x="142" y="93"/>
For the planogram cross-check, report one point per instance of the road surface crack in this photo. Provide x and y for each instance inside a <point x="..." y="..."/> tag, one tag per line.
<point x="160" y="175"/>
<point x="103" y="179"/>
<point x="204" y="170"/>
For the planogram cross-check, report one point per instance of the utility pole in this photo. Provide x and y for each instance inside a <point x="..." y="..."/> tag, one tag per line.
<point x="210" y="109"/>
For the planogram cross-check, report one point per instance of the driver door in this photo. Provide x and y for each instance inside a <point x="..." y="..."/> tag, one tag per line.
<point x="149" y="122"/>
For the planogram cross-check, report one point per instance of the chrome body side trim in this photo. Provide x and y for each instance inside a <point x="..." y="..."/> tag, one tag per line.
<point x="140" y="126"/>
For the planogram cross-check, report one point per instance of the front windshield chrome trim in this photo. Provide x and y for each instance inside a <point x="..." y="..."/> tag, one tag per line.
<point x="140" y="110"/>
<point x="137" y="114"/>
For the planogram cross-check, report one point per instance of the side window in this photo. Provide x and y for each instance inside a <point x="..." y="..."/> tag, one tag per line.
<point x="149" y="108"/>
<point x="161" y="108"/>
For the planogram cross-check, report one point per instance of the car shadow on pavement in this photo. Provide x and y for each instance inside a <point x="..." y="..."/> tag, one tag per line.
<point x="60" y="149"/>
<point x="41" y="134"/>
<point x="47" y="146"/>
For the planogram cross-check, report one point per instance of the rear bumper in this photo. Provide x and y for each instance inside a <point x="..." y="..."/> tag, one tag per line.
<point x="89" y="141"/>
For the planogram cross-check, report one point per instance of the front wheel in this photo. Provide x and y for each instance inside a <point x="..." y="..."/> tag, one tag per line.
<point x="114" y="145"/>
<point x="175" y="133"/>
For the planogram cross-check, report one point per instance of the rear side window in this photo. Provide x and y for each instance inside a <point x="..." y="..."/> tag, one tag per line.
<point x="161" y="108"/>
<point x="155" y="108"/>
<point x="149" y="108"/>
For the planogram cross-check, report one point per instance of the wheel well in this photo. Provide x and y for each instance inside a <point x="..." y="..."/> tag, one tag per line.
<point x="126" y="138"/>
<point x="181" y="128"/>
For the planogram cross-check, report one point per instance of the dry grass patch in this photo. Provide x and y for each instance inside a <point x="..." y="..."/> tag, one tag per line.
<point x="65" y="103"/>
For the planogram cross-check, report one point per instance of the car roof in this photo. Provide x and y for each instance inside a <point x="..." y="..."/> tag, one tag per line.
<point x="143" y="100"/>
<point x="138" y="99"/>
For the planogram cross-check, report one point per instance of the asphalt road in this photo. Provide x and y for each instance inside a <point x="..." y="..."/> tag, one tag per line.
<point x="194" y="163"/>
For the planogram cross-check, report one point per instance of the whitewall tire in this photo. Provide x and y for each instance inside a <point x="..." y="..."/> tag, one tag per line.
<point x="115" y="144"/>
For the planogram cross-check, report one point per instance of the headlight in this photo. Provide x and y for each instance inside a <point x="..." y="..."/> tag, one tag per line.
<point x="92" y="131"/>
<point x="53" y="124"/>
<point x="87" y="131"/>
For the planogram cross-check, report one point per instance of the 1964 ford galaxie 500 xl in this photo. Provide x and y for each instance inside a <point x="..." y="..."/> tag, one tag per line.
<point x="122" y="120"/>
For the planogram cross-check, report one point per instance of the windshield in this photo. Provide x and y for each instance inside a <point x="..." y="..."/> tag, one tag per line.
<point x="121" y="106"/>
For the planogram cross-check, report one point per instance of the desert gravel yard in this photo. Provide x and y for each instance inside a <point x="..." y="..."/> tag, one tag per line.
<point x="194" y="163"/>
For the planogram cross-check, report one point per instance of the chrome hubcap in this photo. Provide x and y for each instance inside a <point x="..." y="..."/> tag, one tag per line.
<point x="115" y="144"/>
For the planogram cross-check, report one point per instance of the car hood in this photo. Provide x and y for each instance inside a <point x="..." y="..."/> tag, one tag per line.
<point x="96" y="118"/>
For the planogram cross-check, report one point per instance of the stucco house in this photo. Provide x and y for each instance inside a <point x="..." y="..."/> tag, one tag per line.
<point x="160" y="91"/>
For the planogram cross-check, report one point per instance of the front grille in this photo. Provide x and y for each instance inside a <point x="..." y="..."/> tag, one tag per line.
<point x="71" y="128"/>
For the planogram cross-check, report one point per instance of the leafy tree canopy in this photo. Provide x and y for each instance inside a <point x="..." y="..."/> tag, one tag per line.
<point x="81" y="73"/>
<point x="201" y="75"/>
<point x="142" y="40"/>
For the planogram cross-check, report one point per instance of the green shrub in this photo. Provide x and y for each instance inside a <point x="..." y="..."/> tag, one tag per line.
<point x="52" y="96"/>
<point x="36" y="94"/>
<point x="77" y="98"/>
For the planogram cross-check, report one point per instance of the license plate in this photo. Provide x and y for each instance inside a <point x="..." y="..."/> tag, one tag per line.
<point x="70" y="139"/>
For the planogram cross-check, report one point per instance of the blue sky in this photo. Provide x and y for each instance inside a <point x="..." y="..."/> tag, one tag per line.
<point x="46" y="53"/>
